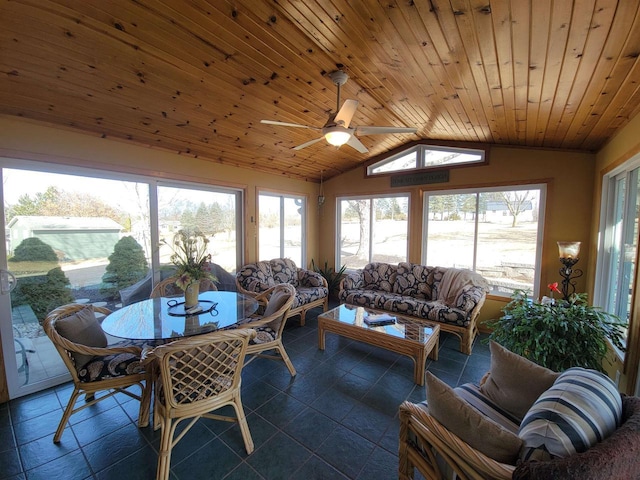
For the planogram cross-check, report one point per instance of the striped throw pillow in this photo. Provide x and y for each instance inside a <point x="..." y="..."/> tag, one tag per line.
<point x="581" y="408"/>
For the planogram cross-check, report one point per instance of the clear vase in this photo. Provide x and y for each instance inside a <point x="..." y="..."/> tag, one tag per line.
<point x="191" y="295"/>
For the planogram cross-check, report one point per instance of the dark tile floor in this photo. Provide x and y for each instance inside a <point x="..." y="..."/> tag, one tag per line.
<point x="336" y="419"/>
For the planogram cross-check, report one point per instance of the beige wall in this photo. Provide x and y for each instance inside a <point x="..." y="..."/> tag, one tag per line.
<point x="569" y="179"/>
<point x="23" y="140"/>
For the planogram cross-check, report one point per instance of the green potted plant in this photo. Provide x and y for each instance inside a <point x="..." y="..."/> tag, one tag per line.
<point x="557" y="334"/>
<point x="332" y="276"/>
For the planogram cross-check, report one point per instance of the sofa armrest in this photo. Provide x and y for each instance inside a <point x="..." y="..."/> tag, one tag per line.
<point x="423" y="440"/>
<point x="352" y="280"/>
<point x="469" y="298"/>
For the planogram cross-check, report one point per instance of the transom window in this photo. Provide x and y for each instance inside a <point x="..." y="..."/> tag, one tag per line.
<point x="426" y="156"/>
<point x="496" y="232"/>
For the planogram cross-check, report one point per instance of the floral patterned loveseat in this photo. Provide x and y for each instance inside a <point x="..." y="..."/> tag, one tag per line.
<point x="258" y="279"/>
<point x="453" y="297"/>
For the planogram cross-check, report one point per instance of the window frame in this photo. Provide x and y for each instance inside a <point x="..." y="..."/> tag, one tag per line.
<point x="407" y="195"/>
<point x="603" y="277"/>
<point x="303" y="222"/>
<point x="421" y="149"/>
<point x="542" y="187"/>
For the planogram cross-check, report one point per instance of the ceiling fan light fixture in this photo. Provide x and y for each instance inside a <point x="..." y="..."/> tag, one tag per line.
<point x="337" y="136"/>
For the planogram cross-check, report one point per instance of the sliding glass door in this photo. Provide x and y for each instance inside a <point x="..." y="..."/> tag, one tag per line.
<point x="63" y="234"/>
<point x="71" y="235"/>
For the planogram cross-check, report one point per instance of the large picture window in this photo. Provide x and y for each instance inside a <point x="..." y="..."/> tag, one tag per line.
<point x="372" y="229"/>
<point x="496" y="232"/>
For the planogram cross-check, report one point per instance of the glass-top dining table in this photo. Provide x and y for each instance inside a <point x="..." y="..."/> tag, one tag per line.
<point x="165" y="318"/>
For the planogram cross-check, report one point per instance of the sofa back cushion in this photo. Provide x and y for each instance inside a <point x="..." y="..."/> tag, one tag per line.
<point x="256" y="277"/>
<point x="379" y="276"/>
<point x="284" y="270"/>
<point x="582" y="408"/>
<point x="414" y="280"/>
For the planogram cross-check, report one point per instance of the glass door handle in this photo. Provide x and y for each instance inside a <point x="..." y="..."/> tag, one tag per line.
<point x="7" y="281"/>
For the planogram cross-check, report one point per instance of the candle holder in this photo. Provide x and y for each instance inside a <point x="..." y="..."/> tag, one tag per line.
<point x="569" y="252"/>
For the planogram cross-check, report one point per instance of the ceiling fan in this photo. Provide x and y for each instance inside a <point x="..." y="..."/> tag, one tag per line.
<point x="337" y="131"/>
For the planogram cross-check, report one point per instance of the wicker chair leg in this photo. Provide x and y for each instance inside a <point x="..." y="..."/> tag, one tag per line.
<point x="244" y="426"/>
<point x="67" y="413"/>
<point x="145" y="404"/>
<point x="286" y="359"/>
<point x="164" y="455"/>
<point x="302" y="314"/>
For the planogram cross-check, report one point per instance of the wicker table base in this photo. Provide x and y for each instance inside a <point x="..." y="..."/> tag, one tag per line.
<point x="407" y="336"/>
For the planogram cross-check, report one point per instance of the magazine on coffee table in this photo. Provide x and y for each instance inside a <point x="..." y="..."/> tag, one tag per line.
<point x="378" y="319"/>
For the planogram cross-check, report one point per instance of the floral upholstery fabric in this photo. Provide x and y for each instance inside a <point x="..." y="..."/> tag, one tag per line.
<point x="110" y="366"/>
<point x="260" y="276"/>
<point x="256" y="277"/>
<point x="408" y="289"/>
<point x="379" y="276"/>
<point x="264" y="335"/>
<point x="284" y="270"/>
<point x="418" y="281"/>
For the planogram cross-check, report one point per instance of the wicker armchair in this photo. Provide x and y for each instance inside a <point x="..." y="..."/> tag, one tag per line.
<point x="270" y="325"/>
<point x="93" y="366"/>
<point x="168" y="288"/>
<point x="425" y="444"/>
<point x="198" y="375"/>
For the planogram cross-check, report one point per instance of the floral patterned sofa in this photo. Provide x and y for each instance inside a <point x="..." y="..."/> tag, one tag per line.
<point x="452" y="297"/>
<point x="258" y="279"/>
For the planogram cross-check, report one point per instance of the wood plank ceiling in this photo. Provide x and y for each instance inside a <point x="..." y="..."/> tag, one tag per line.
<point x="196" y="77"/>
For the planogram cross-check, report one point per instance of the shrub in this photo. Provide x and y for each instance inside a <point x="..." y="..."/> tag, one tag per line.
<point x="34" y="250"/>
<point x="42" y="293"/>
<point x="127" y="265"/>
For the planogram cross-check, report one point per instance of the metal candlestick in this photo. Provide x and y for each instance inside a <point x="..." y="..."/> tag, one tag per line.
<point x="568" y="274"/>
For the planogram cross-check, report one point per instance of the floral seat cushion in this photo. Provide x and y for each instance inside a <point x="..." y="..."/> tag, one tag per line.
<point x="264" y="335"/>
<point x="110" y="366"/>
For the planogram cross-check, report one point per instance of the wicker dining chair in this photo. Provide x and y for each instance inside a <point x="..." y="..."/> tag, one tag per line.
<point x="197" y="375"/>
<point x="95" y="367"/>
<point x="269" y="326"/>
<point x="168" y="287"/>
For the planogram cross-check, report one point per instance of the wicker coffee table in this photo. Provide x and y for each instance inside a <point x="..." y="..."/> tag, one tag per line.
<point x="407" y="336"/>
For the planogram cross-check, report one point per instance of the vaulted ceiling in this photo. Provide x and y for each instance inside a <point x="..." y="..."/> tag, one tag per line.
<point x="196" y="77"/>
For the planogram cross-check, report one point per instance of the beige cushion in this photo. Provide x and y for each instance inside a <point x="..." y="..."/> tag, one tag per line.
<point x="469" y="425"/>
<point x="276" y="301"/>
<point x="82" y="327"/>
<point x="515" y="383"/>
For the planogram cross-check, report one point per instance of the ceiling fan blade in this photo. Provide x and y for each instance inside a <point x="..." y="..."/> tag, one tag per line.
<point x="285" y="124"/>
<point x="346" y="112"/>
<point x="357" y="144"/>
<point x="375" y="130"/>
<point x="306" y="144"/>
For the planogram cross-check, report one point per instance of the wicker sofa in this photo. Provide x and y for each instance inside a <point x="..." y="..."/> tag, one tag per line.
<point x="452" y="297"/>
<point x="522" y="422"/>
<point x="259" y="278"/>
